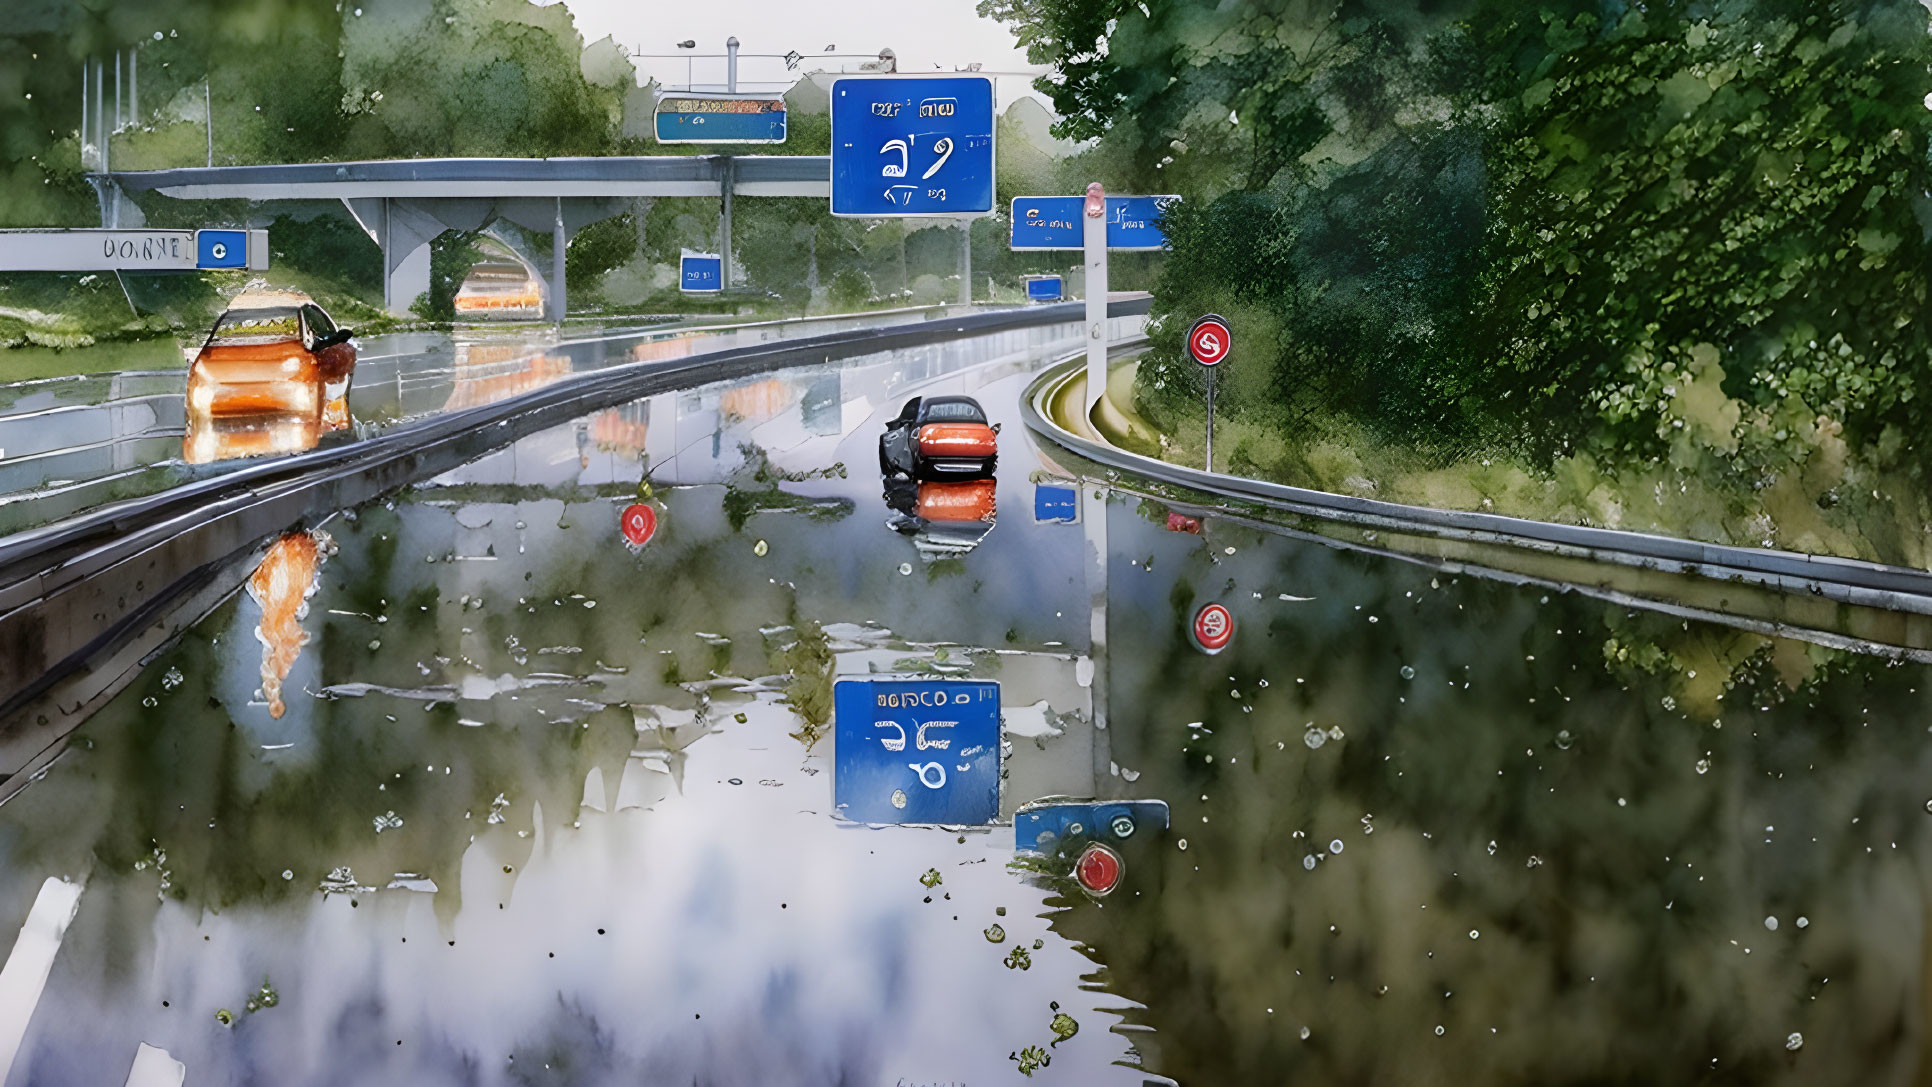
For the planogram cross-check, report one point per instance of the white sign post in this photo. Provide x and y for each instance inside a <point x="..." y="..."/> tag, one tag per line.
<point x="1094" y="237"/>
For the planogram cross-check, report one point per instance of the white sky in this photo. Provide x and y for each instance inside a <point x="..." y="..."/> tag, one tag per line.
<point x="924" y="33"/>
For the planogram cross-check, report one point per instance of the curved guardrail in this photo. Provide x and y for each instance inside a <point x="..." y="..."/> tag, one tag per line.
<point x="1850" y="581"/>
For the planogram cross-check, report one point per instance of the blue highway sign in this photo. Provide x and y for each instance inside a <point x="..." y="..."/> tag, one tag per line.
<point x="916" y="751"/>
<point x="1043" y="288"/>
<point x="1053" y="222"/>
<point x="700" y="273"/>
<point x="1051" y="503"/>
<point x="907" y="146"/>
<point x="686" y="117"/>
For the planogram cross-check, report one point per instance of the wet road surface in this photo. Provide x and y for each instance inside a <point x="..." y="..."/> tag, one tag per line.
<point x="542" y="807"/>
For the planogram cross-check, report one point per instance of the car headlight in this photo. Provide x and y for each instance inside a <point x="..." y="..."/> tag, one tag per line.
<point x="201" y="397"/>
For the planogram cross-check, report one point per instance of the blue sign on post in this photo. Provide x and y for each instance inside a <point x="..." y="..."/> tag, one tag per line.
<point x="1043" y="288"/>
<point x="221" y="249"/>
<point x="1051" y="503"/>
<point x="916" y="751"/>
<point x="912" y="146"/>
<point x="701" y="273"/>
<point x="1053" y="222"/>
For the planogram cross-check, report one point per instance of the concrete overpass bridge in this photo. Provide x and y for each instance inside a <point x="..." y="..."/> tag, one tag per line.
<point x="404" y="204"/>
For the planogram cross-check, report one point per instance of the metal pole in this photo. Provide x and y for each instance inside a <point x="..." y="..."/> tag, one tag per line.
<point x="1094" y="237"/>
<point x="724" y="248"/>
<point x="1210" y="419"/>
<point x="731" y="65"/>
<point x="133" y="87"/>
<point x="559" y="241"/>
<point x="100" y="113"/>
<point x="208" y="102"/>
<point x="965" y="262"/>
<point x="117" y="90"/>
<point x="85" y="117"/>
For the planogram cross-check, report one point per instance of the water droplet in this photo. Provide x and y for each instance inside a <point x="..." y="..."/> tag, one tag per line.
<point x="1670" y="703"/>
<point x="1492" y="847"/>
<point x="386" y="821"/>
<point x="1314" y="737"/>
<point x="1804" y="922"/>
<point x="1335" y="846"/>
<point x="1408" y="672"/>
<point x="995" y="934"/>
<point x="898" y="798"/>
<point x="172" y="680"/>
<point x="1704" y="765"/>
<point x="288" y="873"/>
<point x="760" y="548"/>
<point x="1794" y="1041"/>
<point x="1438" y="1032"/>
<point x="1534" y="862"/>
<point x="1473" y="934"/>
<point x="1308" y="862"/>
<point x="1183" y="844"/>
<point x="1305" y="1032"/>
<point x="1771" y="924"/>
<point x="1564" y="740"/>
<point x="905" y="568"/>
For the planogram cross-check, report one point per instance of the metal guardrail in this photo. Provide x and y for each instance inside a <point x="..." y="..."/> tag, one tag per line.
<point x="1851" y="581"/>
<point x="75" y="594"/>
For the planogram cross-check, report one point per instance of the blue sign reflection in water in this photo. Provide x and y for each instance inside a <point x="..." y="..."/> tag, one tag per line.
<point x="916" y="751"/>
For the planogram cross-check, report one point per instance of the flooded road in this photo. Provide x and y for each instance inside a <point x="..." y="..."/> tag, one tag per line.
<point x="544" y="806"/>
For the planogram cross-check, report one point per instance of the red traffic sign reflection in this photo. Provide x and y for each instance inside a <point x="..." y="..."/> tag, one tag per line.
<point x="1098" y="869"/>
<point x="1213" y="628"/>
<point x="639" y="523"/>
<point x="1209" y="340"/>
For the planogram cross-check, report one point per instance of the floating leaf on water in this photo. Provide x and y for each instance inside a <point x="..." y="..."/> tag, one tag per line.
<point x="932" y="878"/>
<point x="1018" y="959"/>
<point x="760" y="548"/>
<point x="995" y="934"/>
<point x="1064" y="1026"/>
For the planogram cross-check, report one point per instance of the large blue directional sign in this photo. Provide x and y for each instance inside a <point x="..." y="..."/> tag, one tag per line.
<point x="1053" y="222"/>
<point x="912" y="146"/>
<point x="916" y="751"/>
<point x="700" y="273"/>
<point x="221" y="248"/>
<point x="695" y="117"/>
<point x="1043" y="288"/>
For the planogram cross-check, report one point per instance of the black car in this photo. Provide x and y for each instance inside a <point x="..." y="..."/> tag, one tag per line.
<point x="939" y="437"/>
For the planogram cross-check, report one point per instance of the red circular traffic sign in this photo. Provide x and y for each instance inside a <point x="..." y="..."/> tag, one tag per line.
<point x="639" y="523"/>
<point x="1098" y="869"/>
<point x="1213" y="628"/>
<point x="1209" y="340"/>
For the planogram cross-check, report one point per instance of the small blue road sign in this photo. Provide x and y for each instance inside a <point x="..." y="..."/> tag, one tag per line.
<point x="221" y="249"/>
<point x="1044" y="288"/>
<point x="701" y="273"/>
<point x="1052" y="503"/>
<point x="916" y="751"/>
<point x="907" y="146"/>
<point x="1053" y="222"/>
<point x="696" y="117"/>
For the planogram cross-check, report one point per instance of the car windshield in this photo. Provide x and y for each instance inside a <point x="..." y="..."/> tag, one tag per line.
<point x="319" y="324"/>
<point x="247" y="326"/>
<point x="954" y="411"/>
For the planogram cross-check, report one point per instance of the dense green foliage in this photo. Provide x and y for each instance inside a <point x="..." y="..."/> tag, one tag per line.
<point x="1681" y="227"/>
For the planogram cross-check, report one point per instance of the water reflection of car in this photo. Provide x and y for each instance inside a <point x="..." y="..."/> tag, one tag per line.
<point x="942" y="518"/>
<point x="272" y="376"/>
<point x="939" y="437"/>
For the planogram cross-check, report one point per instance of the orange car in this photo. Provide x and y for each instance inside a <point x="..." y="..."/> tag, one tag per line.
<point x="271" y="354"/>
<point x="939" y="437"/>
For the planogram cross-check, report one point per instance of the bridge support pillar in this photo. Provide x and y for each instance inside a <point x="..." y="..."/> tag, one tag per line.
<point x="404" y="233"/>
<point x="559" y="244"/>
